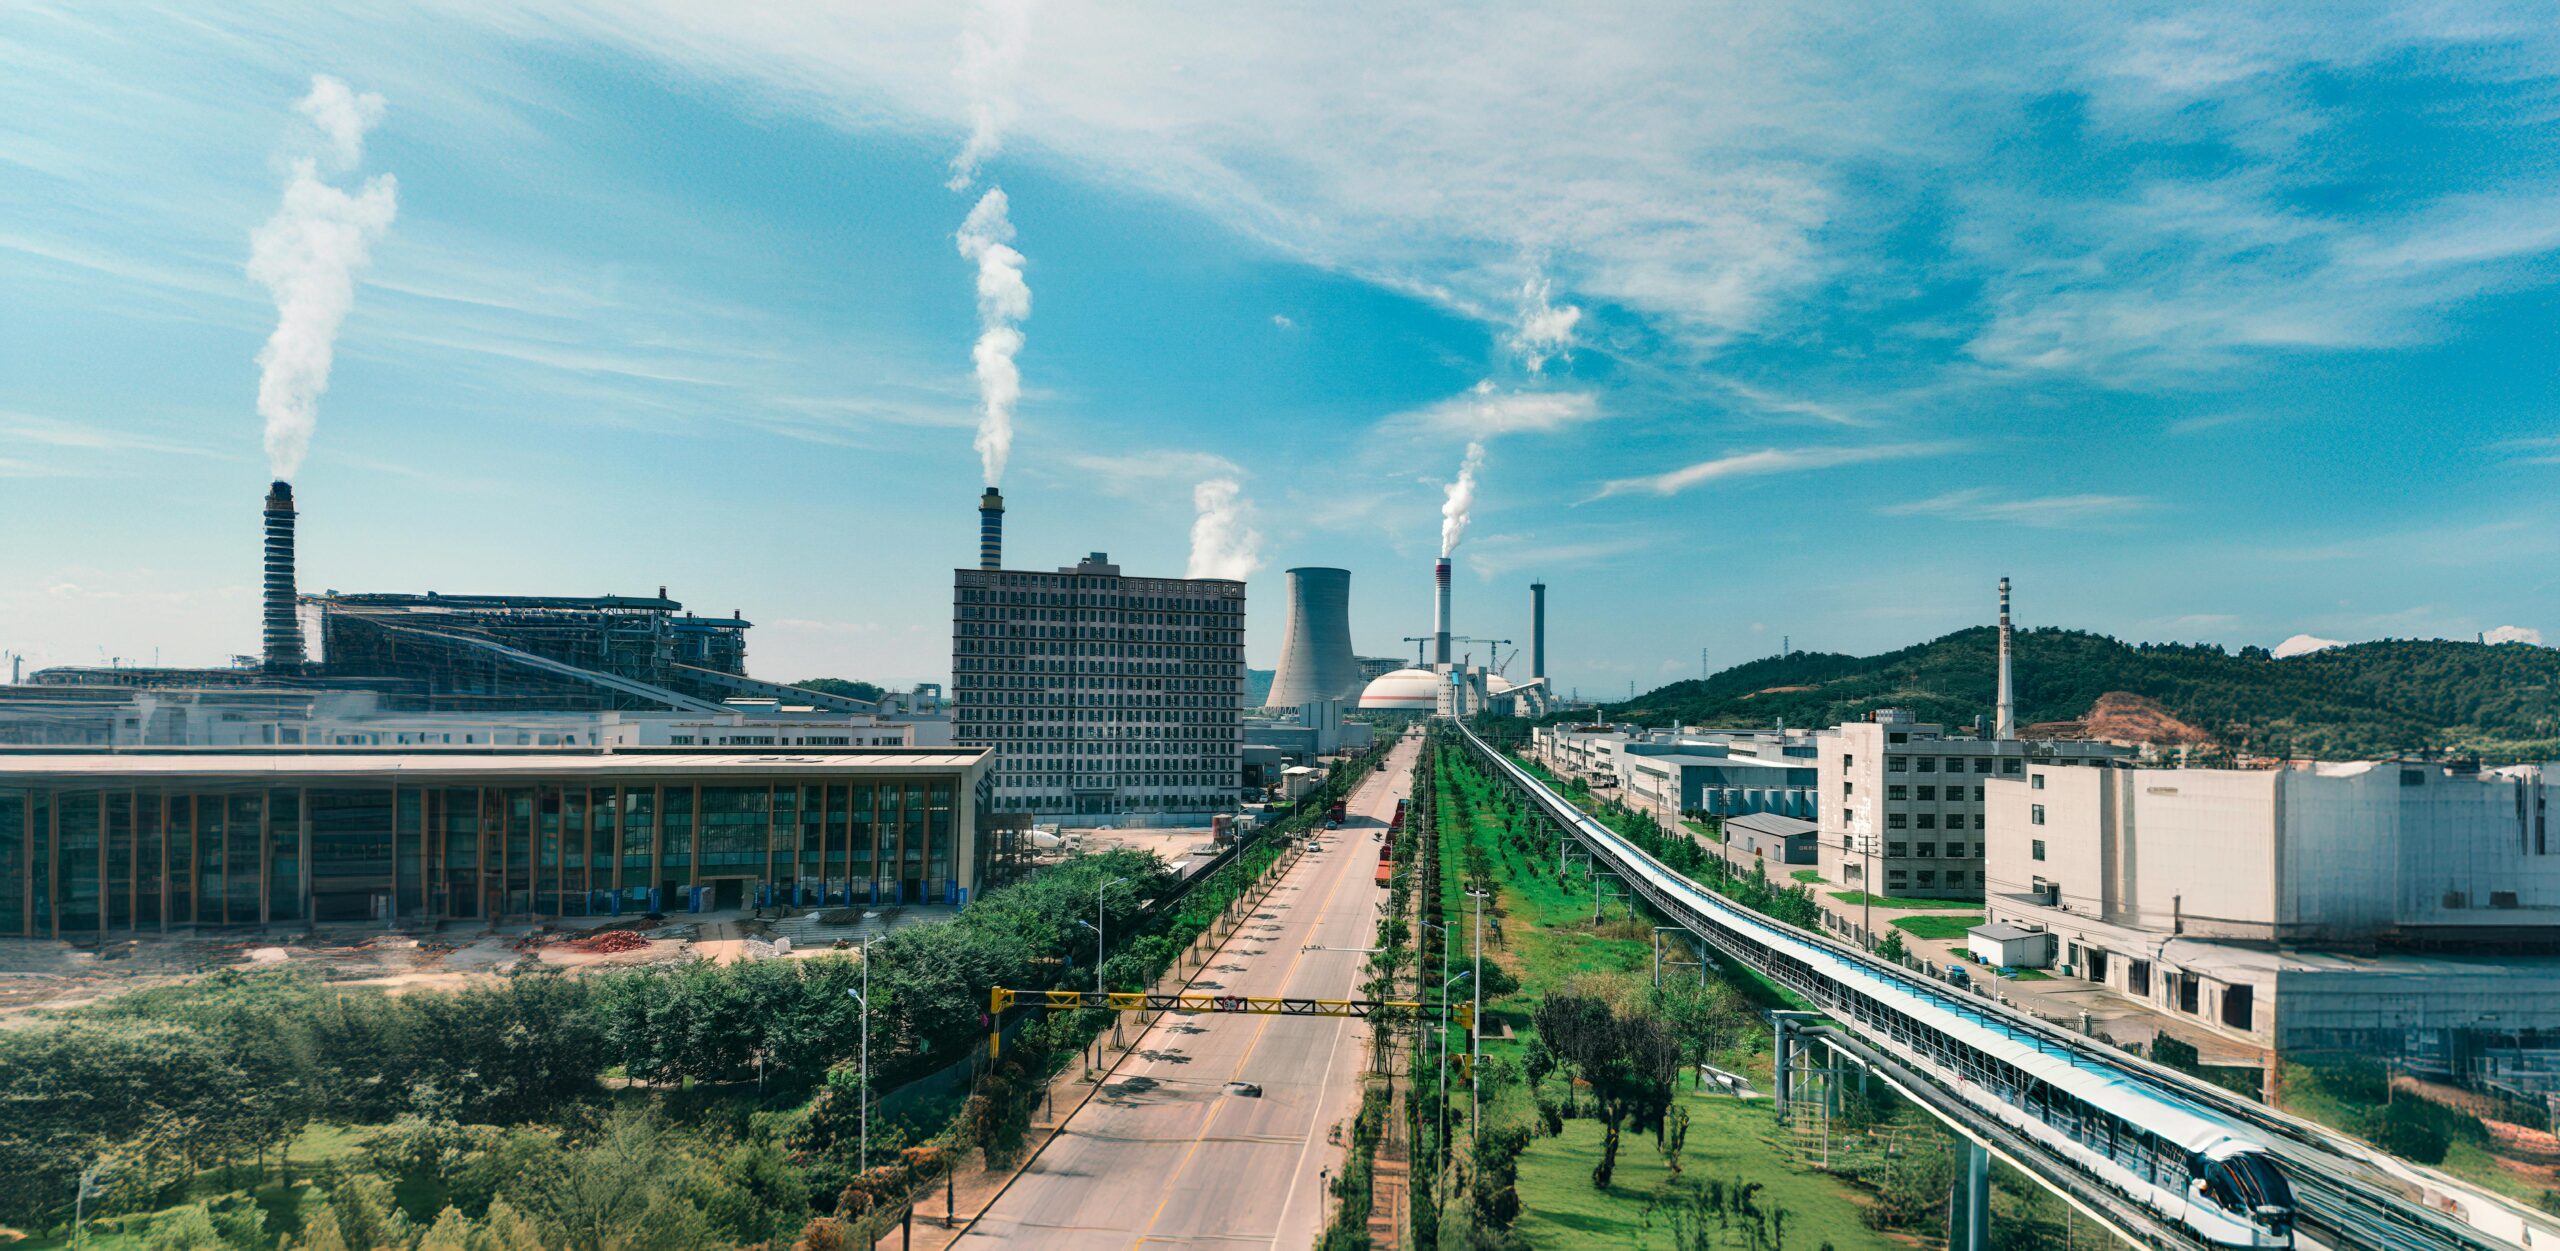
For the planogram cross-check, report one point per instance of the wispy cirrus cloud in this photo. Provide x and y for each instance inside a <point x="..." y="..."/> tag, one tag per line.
<point x="1487" y="410"/>
<point x="1150" y="472"/>
<point x="2051" y="511"/>
<point x="1771" y="460"/>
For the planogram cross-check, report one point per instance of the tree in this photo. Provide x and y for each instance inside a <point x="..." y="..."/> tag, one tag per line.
<point x="1628" y="1057"/>
<point x="843" y="688"/>
<point x="1891" y="947"/>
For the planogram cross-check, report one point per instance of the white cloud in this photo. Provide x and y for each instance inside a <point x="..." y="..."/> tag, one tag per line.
<point x="2304" y="645"/>
<point x="1544" y="329"/>
<point x="991" y="49"/>
<point x="1982" y="504"/>
<point x="1283" y="321"/>
<point x="1136" y="475"/>
<point x="1766" y="461"/>
<point x="2512" y="634"/>
<point x="1486" y="410"/>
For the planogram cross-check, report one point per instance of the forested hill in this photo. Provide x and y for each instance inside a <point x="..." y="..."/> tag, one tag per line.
<point x="2501" y="702"/>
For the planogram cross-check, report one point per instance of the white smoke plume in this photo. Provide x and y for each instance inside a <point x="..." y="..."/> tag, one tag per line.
<point x="1545" y="329"/>
<point x="1004" y="299"/>
<point x="990" y="56"/>
<point x="1461" y="501"/>
<point x="307" y="256"/>
<point x="1223" y="543"/>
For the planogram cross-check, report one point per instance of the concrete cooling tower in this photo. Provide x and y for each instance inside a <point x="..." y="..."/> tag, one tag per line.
<point x="1315" y="651"/>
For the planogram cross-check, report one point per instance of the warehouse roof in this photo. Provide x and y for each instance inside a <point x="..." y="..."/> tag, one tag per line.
<point x="1771" y="824"/>
<point x="260" y="764"/>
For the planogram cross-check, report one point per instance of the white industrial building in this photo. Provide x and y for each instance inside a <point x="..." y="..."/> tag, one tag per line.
<point x="1719" y="773"/>
<point x="2283" y="906"/>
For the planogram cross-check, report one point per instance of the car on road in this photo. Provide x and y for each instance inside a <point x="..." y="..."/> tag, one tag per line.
<point x="1248" y="1090"/>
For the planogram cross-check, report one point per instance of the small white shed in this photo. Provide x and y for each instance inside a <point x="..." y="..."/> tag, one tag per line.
<point x="2010" y="946"/>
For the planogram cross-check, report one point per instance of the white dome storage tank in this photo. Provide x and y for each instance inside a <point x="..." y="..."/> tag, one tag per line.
<point x="1403" y="690"/>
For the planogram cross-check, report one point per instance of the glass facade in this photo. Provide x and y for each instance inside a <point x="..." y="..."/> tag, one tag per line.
<point x="81" y="858"/>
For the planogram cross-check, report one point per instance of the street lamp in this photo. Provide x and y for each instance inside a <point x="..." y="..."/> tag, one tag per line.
<point x="1475" y="1026"/>
<point x="862" y="996"/>
<point x="1098" y="921"/>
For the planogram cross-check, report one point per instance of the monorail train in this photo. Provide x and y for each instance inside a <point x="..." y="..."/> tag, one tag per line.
<point x="2190" y="1167"/>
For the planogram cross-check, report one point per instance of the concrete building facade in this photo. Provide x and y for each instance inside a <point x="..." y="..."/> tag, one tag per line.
<point x="1101" y="693"/>
<point x="98" y="843"/>
<point x="1902" y="808"/>
<point x="2281" y="906"/>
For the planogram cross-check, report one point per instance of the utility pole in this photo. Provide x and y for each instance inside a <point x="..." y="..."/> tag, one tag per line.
<point x="1704" y="672"/>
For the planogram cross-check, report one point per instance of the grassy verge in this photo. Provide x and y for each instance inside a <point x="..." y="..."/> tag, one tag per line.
<point x="1938" y="927"/>
<point x="1859" y="899"/>
<point x="1540" y="933"/>
<point x="1811" y="877"/>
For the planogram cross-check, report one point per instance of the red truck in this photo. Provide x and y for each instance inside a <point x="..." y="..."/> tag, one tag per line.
<point x="1333" y="817"/>
<point x="1397" y="822"/>
<point x="1386" y="870"/>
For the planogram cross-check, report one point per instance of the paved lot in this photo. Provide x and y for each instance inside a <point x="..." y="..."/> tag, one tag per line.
<point x="1164" y="1156"/>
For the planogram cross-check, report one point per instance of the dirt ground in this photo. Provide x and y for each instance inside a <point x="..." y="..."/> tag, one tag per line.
<point x="39" y="975"/>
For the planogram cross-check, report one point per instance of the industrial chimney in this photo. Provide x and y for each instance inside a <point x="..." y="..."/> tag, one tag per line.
<point x="1440" y="612"/>
<point x="1537" y="629"/>
<point x="283" y="625"/>
<point x="2005" y="726"/>
<point x="991" y="530"/>
<point x="1315" y="648"/>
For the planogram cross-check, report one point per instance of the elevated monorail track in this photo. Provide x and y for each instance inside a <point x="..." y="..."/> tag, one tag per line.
<point x="2051" y="1084"/>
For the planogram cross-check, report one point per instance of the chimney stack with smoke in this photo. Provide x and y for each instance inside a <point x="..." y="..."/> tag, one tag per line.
<point x="991" y="530"/>
<point x="1537" y="629"/>
<point x="2005" y="726"/>
<point x="1440" y="612"/>
<point x="284" y="627"/>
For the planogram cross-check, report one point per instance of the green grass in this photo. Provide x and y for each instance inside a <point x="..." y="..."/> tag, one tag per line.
<point x="1936" y="926"/>
<point x="1728" y="1139"/>
<point x="1808" y="876"/>
<point x="1548" y="940"/>
<point x="1856" y="899"/>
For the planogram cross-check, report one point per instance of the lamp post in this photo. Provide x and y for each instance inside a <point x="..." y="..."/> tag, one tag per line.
<point x="1475" y="1026"/>
<point x="1098" y="922"/>
<point x="862" y="996"/>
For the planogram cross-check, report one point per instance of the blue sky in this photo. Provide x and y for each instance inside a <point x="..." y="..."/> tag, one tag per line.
<point x="2219" y="324"/>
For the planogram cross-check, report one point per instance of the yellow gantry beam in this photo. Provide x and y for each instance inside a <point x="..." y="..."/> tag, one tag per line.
<point x="1000" y="999"/>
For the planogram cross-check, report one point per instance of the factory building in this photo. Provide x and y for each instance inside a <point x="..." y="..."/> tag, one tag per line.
<point x="1903" y="809"/>
<point x="1460" y="688"/>
<point x="1717" y="773"/>
<point x="1903" y="812"/>
<point x="2282" y="907"/>
<point x="1101" y="693"/>
<point x="164" y="716"/>
<point x="107" y="842"/>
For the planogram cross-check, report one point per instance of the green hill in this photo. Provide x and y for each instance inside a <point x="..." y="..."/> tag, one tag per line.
<point x="2499" y="702"/>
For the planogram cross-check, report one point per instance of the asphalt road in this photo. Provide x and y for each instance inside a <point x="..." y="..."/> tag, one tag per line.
<point x="1164" y="1156"/>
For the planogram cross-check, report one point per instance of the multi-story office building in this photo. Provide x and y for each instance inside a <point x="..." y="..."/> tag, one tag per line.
<point x="1101" y="693"/>
<point x="94" y="843"/>
<point x="1902" y="802"/>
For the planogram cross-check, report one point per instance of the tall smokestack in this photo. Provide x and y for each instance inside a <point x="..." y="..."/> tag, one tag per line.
<point x="991" y="530"/>
<point x="1440" y="612"/>
<point x="2005" y="725"/>
<point x="1537" y="629"/>
<point x="283" y="626"/>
